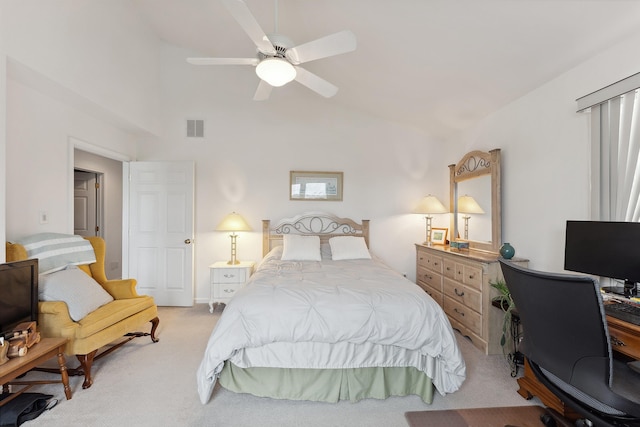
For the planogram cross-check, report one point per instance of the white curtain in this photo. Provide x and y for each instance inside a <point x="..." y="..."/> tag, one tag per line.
<point x="615" y="136"/>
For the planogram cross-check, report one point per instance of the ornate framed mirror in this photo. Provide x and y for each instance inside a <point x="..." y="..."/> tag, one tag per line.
<point x="476" y="178"/>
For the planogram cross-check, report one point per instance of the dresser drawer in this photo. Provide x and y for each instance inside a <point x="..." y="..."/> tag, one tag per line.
<point x="449" y="268"/>
<point x="463" y="294"/>
<point x="430" y="261"/>
<point x="229" y="275"/>
<point x="432" y="292"/>
<point x="226" y="290"/>
<point x="472" y="276"/>
<point x="464" y="315"/>
<point x="429" y="277"/>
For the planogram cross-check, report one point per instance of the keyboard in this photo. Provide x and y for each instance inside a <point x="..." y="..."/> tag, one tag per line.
<point x="627" y="312"/>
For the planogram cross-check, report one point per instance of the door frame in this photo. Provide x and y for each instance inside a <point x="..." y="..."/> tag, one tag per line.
<point x="75" y="143"/>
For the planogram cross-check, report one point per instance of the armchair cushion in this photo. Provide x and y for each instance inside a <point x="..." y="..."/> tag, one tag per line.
<point x="79" y="291"/>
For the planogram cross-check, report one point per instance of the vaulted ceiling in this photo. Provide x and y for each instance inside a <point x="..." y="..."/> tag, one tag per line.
<point x="438" y="65"/>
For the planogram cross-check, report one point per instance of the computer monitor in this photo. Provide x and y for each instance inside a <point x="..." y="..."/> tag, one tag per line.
<point x="606" y="249"/>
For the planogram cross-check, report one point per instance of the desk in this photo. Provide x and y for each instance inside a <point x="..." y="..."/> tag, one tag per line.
<point x="37" y="354"/>
<point x="625" y="339"/>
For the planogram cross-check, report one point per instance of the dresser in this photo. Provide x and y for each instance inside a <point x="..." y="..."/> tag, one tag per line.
<point x="226" y="279"/>
<point x="461" y="283"/>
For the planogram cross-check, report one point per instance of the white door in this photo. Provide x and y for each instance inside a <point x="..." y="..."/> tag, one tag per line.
<point x="161" y="230"/>
<point x="85" y="203"/>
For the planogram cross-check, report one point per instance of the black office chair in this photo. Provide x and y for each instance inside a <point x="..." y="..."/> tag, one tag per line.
<point x="566" y="340"/>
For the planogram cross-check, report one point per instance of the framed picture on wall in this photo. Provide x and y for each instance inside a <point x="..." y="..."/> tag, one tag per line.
<point x="306" y="185"/>
<point x="439" y="236"/>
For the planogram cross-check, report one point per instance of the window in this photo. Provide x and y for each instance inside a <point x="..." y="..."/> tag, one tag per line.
<point x="615" y="149"/>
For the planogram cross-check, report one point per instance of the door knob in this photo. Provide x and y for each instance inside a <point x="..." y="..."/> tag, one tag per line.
<point x="187" y="241"/>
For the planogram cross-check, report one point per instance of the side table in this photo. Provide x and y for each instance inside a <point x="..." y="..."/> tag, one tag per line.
<point x="226" y="279"/>
<point x="37" y="354"/>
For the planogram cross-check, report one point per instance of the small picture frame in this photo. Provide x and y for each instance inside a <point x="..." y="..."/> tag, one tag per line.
<point x="439" y="236"/>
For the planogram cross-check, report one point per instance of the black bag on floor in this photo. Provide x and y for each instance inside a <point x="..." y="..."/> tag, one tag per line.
<point x="24" y="407"/>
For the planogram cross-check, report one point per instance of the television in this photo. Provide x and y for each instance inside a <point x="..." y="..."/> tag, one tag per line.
<point x="18" y="294"/>
<point x="606" y="249"/>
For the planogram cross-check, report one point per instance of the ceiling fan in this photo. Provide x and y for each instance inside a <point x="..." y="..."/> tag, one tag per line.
<point x="278" y="60"/>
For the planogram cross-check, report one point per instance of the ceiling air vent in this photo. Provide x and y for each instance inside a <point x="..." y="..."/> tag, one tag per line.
<point x="195" y="128"/>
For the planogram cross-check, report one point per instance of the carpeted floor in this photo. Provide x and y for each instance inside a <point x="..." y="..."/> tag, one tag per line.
<point x="521" y="416"/>
<point x="146" y="384"/>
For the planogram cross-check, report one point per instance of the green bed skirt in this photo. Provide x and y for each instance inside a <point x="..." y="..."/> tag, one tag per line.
<point x="327" y="385"/>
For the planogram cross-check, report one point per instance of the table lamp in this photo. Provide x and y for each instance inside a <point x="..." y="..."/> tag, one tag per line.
<point x="468" y="205"/>
<point x="233" y="222"/>
<point x="430" y="205"/>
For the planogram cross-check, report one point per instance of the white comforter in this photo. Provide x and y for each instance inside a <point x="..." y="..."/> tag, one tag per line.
<point x="332" y="314"/>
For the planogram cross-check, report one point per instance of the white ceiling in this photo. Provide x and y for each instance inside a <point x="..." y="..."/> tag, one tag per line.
<point x="438" y="65"/>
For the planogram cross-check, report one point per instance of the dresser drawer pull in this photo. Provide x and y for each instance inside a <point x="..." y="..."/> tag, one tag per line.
<point x="460" y="294"/>
<point x="428" y="277"/>
<point x="435" y="263"/>
<point x="617" y="342"/>
<point x="448" y="268"/>
<point x="228" y="276"/>
<point x="461" y="313"/>
<point x="471" y="276"/>
<point x="229" y="291"/>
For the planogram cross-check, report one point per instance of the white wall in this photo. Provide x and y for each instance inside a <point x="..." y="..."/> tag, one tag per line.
<point x="545" y="153"/>
<point x="100" y="50"/>
<point x="84" y="71"/>
<point x="243" y="163"/>
<point x="39" y="162"/>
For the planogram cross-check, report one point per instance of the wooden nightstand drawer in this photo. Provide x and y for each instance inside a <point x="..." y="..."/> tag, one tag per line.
<point x="463" y="294"/>
<point x="464" y="315"/>
<point x="229" y="275"/>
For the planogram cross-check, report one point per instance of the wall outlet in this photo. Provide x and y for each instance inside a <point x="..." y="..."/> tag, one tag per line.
<point x="44" y="217"/>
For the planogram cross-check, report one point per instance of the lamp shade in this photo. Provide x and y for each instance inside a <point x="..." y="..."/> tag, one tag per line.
<point x="233" y="222"/>
<point x="430" y="205"/>
<point x="276" y="71"/>
<point x="467" y="204"/>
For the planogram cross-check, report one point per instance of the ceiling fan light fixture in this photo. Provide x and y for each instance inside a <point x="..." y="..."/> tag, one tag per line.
<point x="276" y="71"/>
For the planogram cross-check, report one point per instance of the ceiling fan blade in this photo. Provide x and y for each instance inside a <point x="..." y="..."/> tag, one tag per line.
<point x="223" y="61"/>
<point x="334" y="44"/>
<point x="263" y="91"/>
<point x="315" y="83"/>
<point x="245" y="18"/>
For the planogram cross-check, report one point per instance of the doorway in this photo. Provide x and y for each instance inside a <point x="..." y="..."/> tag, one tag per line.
<point x="99" y="211"/>
<point x="87" y="203"/>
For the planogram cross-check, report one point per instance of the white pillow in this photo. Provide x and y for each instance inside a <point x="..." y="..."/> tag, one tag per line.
<point x="73" y="286"/>
<point x="348" y="247"/>
<point x="300" y="248"/>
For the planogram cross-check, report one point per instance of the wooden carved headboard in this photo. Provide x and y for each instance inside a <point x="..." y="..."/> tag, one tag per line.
<point x="312" y="224"/>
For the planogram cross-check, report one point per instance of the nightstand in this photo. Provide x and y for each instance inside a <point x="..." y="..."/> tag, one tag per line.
<point x="226" y="279"/>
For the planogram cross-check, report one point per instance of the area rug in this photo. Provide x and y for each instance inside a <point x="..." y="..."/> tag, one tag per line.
<point x="516" y="416"/>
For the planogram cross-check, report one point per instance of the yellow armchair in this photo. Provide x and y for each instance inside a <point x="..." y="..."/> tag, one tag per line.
<point x="117" y="319"/>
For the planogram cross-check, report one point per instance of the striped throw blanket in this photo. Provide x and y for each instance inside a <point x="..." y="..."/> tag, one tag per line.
<point x="55" y="251"/>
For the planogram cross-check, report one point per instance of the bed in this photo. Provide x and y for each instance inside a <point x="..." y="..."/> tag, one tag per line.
<point x="322" y="319"/>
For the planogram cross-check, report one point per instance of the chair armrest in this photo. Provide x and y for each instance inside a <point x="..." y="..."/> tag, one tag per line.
<point x="54" y="319"/>
<point x="121" y="289"/>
